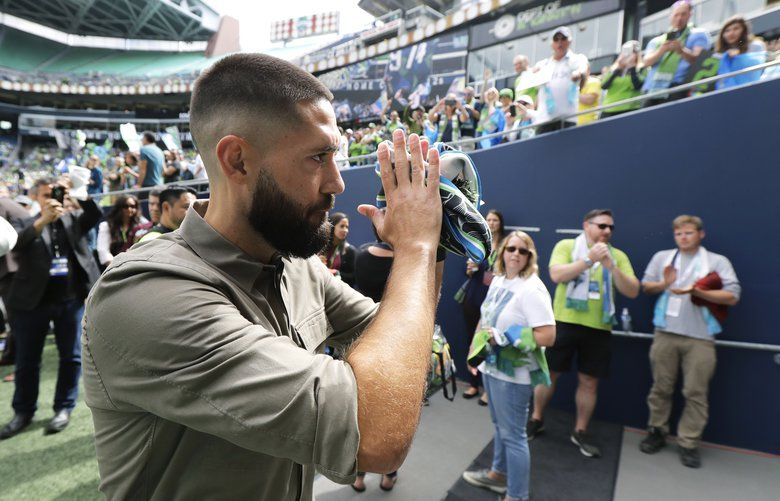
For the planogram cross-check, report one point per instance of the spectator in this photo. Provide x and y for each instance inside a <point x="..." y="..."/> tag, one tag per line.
<point x="154" y="215"/>
<point x="669" y="56"/>
<point x="372" y="270"/>
<point x="117" y="233"/>
<point x="559" y="96"/>
<point x="394" y="122"/>
<point x="590" y="94"/>
<point x="150" y="163"/>
<point x="56" y="271"/>
<point x="506" y="97"/>
<point x="587" y="270"/>
<point x="739" y="49"/>
<point x="491" y="118"/>
<point x="95" y="184"/>
<point x="521" y="64"/>
<point x="339" y="256"/>
<point x="623" y="80"/>
<point x="686" y="320"/>
<point x="521" y="114"/>
<point x="9" y="210"/>
<point x="413" y="119"/>
<point x="175" y="201"/>
<point x="473" y="291"/>
<point x="517" y="320"/>
<point x="172" y="169"/>
<point x="469" y="127"/>
<point x="448" y="114"/>
<point x="130" y="172"/>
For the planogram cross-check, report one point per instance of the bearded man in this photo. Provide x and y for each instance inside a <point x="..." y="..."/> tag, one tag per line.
<point x="231" y="397"/>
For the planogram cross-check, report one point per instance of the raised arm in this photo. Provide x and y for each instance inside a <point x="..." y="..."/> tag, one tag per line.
<point x="390" y="360"/>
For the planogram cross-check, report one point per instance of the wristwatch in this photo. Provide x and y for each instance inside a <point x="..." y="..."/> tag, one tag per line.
<point x="588" y="262"/>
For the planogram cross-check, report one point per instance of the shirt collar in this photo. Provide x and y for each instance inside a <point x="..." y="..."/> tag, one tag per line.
<point x="219" y="252"/>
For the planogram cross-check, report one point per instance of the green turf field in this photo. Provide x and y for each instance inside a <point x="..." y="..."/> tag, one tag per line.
<point x="38" y="467"/>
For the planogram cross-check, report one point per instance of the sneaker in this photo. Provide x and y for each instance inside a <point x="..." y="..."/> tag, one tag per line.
<point x="690" y="457"/>
<point x="585" y="442"/>
<point x="534" y="427"/>
<point x="481" y="479"/>
<point x="653" y="442"/>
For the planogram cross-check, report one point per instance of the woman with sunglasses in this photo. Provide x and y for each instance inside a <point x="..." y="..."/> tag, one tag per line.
<point x="339" y="256"/>
<point x="475" y="288"/>
<point x="517" y="320"/>
<point x="117" y="233"/>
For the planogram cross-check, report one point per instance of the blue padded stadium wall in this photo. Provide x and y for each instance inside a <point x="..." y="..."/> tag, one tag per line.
<point x="715" y="157"/>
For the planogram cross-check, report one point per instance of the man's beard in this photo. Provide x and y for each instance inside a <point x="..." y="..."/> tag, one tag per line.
<point x="284" y="223"/>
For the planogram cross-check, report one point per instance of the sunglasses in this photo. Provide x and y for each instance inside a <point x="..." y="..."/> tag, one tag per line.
<point x="604" y="226"/>
<point x="558" y="38"/>
<point x="512" y="249"/>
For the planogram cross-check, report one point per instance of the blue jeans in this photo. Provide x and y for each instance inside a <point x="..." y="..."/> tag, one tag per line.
<point x="30" y="329"/>
<point x="508" y="404"/>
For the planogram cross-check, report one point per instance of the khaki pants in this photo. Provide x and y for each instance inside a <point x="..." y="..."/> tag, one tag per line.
<point x="668" y="353"/>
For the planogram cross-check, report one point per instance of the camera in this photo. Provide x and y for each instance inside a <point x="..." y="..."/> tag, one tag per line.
<point x="58" y="194"/>
<point x="512" y="110"/>
<point x="450" y="102"/>
<point x="672" y="35"/>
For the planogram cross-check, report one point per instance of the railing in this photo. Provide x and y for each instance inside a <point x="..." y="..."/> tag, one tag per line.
<point x="772" y="348"/>
<point x="371" y="157"/>
<point x="568" y="118"/>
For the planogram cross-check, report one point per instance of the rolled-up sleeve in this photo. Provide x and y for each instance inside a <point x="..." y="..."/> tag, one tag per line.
<point x="186" y="354"/>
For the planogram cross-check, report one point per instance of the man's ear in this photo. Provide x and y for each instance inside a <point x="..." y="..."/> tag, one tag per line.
<point x="231" y="153"/>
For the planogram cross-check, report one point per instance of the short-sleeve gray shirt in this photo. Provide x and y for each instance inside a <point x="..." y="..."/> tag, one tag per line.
<point x="690" y="322"/>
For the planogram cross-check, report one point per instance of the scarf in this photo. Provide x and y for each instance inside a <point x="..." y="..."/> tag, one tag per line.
<point x="334" y="256"/>
<point x="667" y="67"/>
<point x="443" y="126"/>
<point x="516" y="347"/>
<point x="464" y="231"/>
<point x="698" y="268"/>
<point x="577" y="290"/>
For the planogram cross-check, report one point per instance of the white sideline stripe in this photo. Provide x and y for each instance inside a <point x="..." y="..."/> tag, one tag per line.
<point x="527" y="229"/>
<point x="568" y="231"/>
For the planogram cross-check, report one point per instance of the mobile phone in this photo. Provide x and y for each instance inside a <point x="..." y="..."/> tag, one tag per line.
<point x="58" y="194"/>
<point x="450" y="102"/>
<point x="512" y="110"/>
<point x="672" y="35"/>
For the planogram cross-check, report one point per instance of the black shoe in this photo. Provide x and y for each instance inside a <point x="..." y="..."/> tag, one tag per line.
<point x="58" y="423"/>
<point x="17" y="424"/>
<point x="585" y="442"/>
<point x="653" y="442"/>
<point x="690" y="457"/>
<point x="534" y="428"/>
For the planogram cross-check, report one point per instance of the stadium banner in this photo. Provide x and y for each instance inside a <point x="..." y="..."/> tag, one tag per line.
<point x="305" y="26"/>
<point x="517" y="23"/>
<point x="417" y="75"/>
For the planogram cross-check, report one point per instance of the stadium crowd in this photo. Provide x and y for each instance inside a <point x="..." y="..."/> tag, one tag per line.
<point x="47" y="279"/>
<point x="558" y="91"/>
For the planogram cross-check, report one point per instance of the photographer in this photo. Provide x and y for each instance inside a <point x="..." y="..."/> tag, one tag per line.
<point x="669" y="56"/>
<point x="449" y="114"/>
<point x="624" y="80"/>
<point x="56" y="271"/>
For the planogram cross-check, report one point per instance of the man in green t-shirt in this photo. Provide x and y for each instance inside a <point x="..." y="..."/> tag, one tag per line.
<point x="587" y="270"/>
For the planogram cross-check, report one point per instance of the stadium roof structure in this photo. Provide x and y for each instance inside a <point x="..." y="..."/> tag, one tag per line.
<point x="182" y="20"/>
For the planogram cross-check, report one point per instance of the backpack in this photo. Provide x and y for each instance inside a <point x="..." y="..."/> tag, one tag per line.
<point x="442" y="371"/>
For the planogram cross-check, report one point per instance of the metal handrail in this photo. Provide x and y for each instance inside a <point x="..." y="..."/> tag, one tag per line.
<point x="372" y="156"/>
<point x="565" y="118"/>
<point x="730" y="344"/>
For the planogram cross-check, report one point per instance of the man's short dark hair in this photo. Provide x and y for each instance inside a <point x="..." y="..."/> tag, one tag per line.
<point x="264" y="86"/>
<point x="172" y="194"/>
<point x="596" y="213"/>
<point x="150" y="137"/>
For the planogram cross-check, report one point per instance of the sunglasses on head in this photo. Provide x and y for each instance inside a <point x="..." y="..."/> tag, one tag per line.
<point x="604" y="226"/>
<point x="558" y="38"/>
<point x="512" y="249"/>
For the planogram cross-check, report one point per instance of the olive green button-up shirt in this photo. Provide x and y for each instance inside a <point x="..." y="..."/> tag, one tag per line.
<point x="202" y="371"/>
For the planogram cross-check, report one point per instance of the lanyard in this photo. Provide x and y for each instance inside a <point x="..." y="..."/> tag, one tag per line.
<point x="55" y="241"/>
